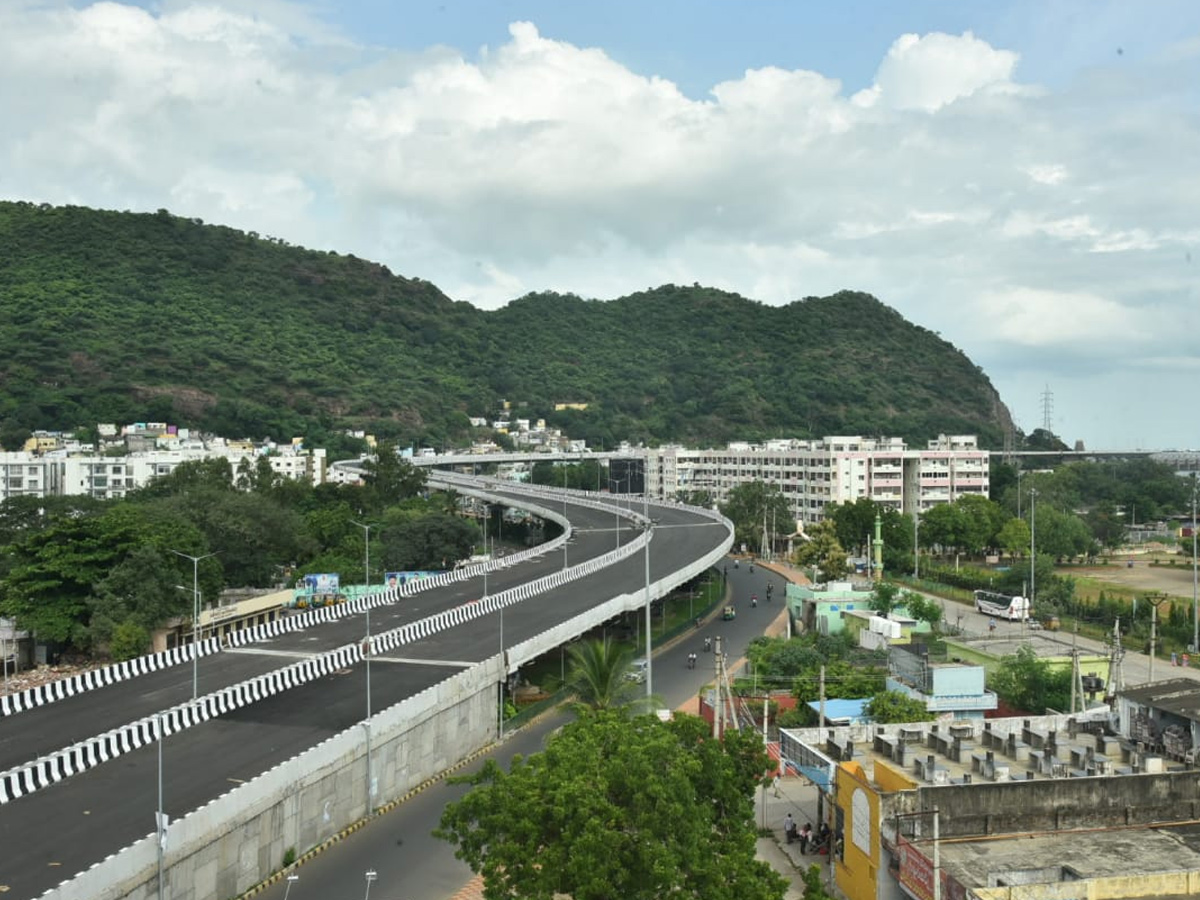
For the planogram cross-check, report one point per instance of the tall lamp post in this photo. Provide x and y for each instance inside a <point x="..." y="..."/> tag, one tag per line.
<point x="195" y="618"/>
<point x="916" y="543"/>
<point x="1195" y="579"/>
<point x="646" y="516"/>
<point x="160" y="817"/>
<point x="1032" y="545"/>
<point x="367" y="649"/>
<point x="371" y="876"/>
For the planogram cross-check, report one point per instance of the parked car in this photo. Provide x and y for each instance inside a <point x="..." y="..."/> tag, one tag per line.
<point x="637" y="671"/>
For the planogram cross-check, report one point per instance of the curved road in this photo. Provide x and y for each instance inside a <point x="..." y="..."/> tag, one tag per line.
<point x="58" y="831"/>
<point x="399" y="847"/>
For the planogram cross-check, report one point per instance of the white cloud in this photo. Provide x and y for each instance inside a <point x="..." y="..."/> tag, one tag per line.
<point x="950" y="188"/>
<point x="928" y="72"/>
<point x="1044" y="318"/>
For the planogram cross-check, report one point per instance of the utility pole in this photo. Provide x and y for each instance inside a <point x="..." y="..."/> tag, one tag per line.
<point x="821" y="695"/>
<point x="718" y="704"/>
<point x="1195" y="579"/>
<point x="1155" y="601"/>
<point x="1116" y="673"/>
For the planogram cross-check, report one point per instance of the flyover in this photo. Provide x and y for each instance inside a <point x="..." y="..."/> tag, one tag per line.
<point x="214" y="766"/>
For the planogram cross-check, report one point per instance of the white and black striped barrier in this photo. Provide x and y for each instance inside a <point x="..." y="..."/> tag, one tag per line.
<point x="42" y="694"/>
<point x="41" y="773"/>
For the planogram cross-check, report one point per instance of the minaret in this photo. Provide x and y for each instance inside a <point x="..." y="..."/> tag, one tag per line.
<point x="878" y="542"/>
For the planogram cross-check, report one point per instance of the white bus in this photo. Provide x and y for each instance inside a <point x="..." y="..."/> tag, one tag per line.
<point x="1001" y="606"/>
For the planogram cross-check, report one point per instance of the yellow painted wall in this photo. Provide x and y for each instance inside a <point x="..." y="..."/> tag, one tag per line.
<point x="888" y="779"/>
<point x="857" y="873"/>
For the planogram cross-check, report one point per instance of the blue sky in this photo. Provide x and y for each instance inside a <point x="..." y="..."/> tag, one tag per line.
<point x="1018" y="177"/>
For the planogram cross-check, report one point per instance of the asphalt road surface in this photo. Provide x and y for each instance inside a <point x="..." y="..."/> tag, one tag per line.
<point x="411" y="864"/>
<point x="50" y="835"/>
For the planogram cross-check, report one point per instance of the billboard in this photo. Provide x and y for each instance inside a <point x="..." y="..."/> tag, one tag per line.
<point x="324" y="583"/>
<point x="399" y="579"/>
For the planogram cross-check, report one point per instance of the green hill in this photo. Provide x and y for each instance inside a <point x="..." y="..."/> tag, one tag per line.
<point x="116" y="317"/>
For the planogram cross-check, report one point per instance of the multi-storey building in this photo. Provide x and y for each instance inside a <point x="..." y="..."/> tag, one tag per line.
<point x="112" y="477"/>
<point x="813" y="475"/>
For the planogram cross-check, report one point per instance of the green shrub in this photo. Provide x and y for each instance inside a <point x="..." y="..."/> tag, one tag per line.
<point x="129" y="641"/>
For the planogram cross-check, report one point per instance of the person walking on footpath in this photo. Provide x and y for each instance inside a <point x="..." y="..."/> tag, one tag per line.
<point x="775" y="784"/>
<point x="789" y="828"/>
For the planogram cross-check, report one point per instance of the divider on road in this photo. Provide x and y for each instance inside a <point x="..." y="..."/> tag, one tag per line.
<point x="41" y="694"/>
<point x="41" y="773"/>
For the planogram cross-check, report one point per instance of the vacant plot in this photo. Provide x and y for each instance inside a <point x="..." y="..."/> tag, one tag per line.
<point x="1117" y="580"/>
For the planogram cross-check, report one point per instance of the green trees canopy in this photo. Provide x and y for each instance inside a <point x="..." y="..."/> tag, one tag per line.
<point x="893" y="706"/>
<point x="619" y="808"/>
<point x="1030" y="684"/>
<point x="273" y="340"/>
<point x="753" y="506"/>
<point x="823" y="551"/>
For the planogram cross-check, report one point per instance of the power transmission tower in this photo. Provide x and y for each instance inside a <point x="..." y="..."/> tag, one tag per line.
<point x="1047" y="409"/>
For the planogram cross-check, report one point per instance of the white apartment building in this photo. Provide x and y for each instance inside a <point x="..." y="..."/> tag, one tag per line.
<point x="813" y="475"/>
<point x="111" y="477"/>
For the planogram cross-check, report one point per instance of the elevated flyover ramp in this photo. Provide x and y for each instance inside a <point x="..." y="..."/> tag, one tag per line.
<point x="81" y="820"/>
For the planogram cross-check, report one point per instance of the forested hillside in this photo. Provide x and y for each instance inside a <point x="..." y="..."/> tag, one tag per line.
<point x="121" y="317"/>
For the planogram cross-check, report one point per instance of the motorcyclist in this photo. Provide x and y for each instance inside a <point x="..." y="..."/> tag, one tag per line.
<point x="754" y="599"/>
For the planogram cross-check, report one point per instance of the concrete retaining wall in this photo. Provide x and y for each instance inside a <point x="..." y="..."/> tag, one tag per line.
<point x="234" y="842"/>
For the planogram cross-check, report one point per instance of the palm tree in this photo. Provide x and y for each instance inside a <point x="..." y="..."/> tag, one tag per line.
<point x="596" y="677"/>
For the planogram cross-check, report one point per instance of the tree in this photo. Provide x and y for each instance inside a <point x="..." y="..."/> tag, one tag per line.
<point x="855" y="522"/>
<point x="823" y="550"/>
<point x="429" y="541"/>
<point x="1013" y="538"/>
<point x="389" y="478"/>
<point x="944" y="526"/>
<point x="597" y="674"/>
<point x="1107" y="525"/>
<point x="893" y="706"/>
<point x="921" y="608"/>
<point x="618" y="807"/>
<point x="1030" y="684"/>
<point x="885" y="598"/>
<point x="982" y="520"/>
<point x="753" y="506"/>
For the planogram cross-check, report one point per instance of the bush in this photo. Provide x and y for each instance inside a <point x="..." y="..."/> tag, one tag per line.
<point x="289" y="857"/>
<point x="129" y="641"/>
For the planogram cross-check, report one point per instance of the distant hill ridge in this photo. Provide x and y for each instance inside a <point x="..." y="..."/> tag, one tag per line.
<point x="131" y="317"/>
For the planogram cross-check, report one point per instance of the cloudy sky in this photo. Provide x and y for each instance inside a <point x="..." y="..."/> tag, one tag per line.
<point x="1022" y="177"/>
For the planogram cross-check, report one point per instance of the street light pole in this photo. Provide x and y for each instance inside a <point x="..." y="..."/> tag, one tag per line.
<point x="371" y="876"/>
<point x="649" y="645"/>
<point x="367" y="650"/>
<point x="1195" y="579"/>
<point x="291" y="879"/>
<point x="503" y="677"/>
<point x="916" y="543"/>
<point x="195" y="618"/>
<point x="160" y="820"/>
<point x="1032" y="544"/>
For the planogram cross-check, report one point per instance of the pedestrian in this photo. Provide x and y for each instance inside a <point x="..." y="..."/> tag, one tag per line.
<point x="775" y="784"/>
<point x="789" y="828"/>
<point x="805" y="838"/>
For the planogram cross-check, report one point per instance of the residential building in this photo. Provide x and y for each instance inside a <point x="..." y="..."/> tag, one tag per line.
<point x="814" y="475"/>
<point x="1037" y="808"/>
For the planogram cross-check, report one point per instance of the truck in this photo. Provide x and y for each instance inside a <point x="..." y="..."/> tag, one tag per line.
<point x="1001" y="606"/>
